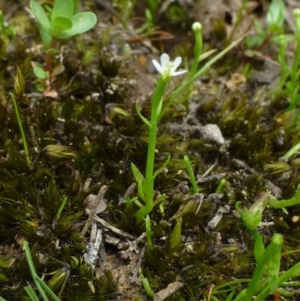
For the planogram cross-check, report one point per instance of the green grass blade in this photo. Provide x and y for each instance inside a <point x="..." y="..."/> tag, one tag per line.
<point x="21" y="129"/>
<point x="31" y="293"/>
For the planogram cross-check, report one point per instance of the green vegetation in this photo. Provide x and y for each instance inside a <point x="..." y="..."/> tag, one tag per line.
<point x="130" y="182"/>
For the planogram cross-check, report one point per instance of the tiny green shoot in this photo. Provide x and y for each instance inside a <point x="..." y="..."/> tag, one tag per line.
<point x="21" y="129"/>
<point x="146" y="284"/>
<point x="41" y="286"/>
<point x="220" y="186"/>
<point x="190" y="172"/>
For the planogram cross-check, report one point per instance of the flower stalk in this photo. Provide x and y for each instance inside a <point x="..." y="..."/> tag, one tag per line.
<point x="156" y="105"/>
<point x="167" y="69"/>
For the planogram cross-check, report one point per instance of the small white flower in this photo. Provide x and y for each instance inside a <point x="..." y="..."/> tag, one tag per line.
<point x="167" y="68"/>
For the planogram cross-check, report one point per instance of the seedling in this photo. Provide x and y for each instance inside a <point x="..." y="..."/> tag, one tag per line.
<point x="220" y="186"/>
<point x="288" y="85"/>
<point x="167" y="69"/>
<point x="274" y="20"/>
<point x="58" y="23"/>
<point x="146" y="284"/>
<point x="265" y="279"/>
<point x="191" y="174"/>
<point x="63" y="21"/>
<point x="289" y="78"/>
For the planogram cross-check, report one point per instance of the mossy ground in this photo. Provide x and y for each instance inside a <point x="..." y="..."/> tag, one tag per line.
<point x="104" y="69"/>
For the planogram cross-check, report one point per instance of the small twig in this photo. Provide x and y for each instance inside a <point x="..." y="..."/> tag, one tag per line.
<point x="114" y="229"/>
<point x="135" y="277"/>
<point x="130" y="190"/>
<point x="93" y="211"/>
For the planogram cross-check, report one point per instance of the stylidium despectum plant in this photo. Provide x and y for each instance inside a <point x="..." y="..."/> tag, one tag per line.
<point x="167" y="69"/>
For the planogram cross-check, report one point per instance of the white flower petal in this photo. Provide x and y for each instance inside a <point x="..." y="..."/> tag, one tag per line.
<point x="157" y="66"/>
<point x="178" y="72"/>
<point x="177" y="62"/>
<point x="164" y="59"/>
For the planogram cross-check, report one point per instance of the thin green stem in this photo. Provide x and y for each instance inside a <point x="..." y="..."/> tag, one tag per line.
<point x="155" y="111"/>
<point x="47" y="288"/>
<point x="21" y="129"/>
<point x="197" y="49"/>
<point x="33" y="271"/>
<point x="220" y="186"/>
<point x="61" y="208"/>
<point x="295" y="65"/>
<point x="295" y="200"/>
<point x="30" y="292"/>
<point x="290" y="153"/>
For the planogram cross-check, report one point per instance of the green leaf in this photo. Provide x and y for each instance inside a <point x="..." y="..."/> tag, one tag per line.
<point x="146" y="284"/>
<point x="61" y="24"/>
<point x="4" y="262"/>
<point x="206" y="54"/>
<point x="39" y="72"/>
<point x="140" y="180"/>
<point x="62" y="8"/>
<point x="46" y="37"/>
<point x="145" y="120"/>
<point x="142" y="212"/>
<point x="82" y="22"/>
<point x="46" y="288"/>
<point x="138" y="176"/>
<point x="30" y="292"/>
<point x="3" y="278"/>
<point x="275" y="15"/>
<point x="41" y="16"/>
<point x="121" y="111"/>
<point x="231" y="295"/>
<point x="175" y="239"/>
<point x="259" y="248"/>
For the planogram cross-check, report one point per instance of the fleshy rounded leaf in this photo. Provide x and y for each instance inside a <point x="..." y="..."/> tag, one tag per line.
<point x="61" y="24"/>
<point x="40" y="73"/>
<point x="82" y="22"/>
<point x="275" y="15"/>
<point x="41" y="16"/>
<point x="46" y="37"/>
<point x="62" y="8"/>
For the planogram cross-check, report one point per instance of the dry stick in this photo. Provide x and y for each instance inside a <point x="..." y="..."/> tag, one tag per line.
<point x="92" y="212"/>
<point x="114" y="229"/>
<point x="135" y="277"/>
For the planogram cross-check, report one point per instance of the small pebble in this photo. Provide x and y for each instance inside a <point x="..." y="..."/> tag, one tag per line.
<point x="212" y="133"/>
